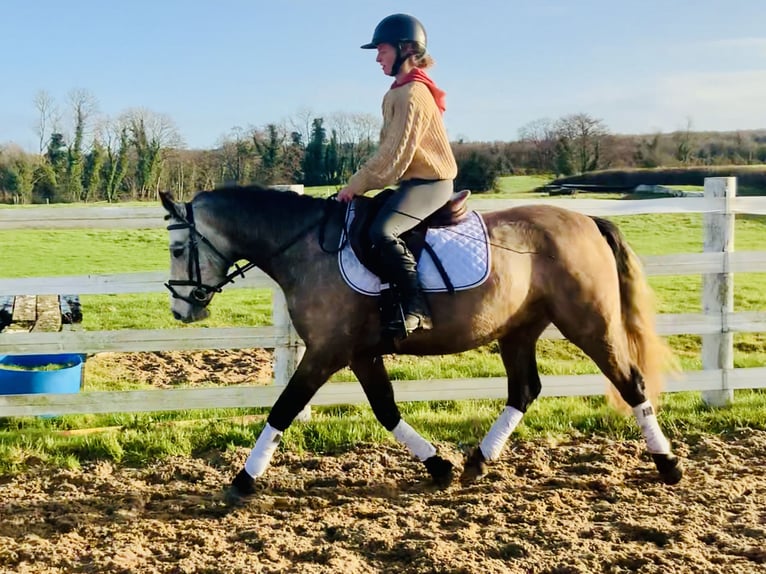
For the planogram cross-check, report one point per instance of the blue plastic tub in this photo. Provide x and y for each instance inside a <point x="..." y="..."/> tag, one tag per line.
<point x="29" y="380"/>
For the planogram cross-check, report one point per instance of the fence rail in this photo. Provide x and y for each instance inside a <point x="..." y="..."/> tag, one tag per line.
<point x="716" y="324"/>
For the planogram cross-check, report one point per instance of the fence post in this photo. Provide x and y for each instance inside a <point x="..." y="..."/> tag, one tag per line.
<point x="718" y="288"/>
<point x="286" y="359"/>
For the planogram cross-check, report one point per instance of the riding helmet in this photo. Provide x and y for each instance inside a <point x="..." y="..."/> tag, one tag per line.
<point x="396" y="29"/>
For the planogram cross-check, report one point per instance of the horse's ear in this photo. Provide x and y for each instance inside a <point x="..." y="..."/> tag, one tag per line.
<point x="170" y="204"/>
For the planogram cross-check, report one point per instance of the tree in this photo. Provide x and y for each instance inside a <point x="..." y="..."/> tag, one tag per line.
<point x="46" y="189"/>
<point x="56" y="151"/>
<point x="150" y="133"/>
<point x="563" y="160"/>
<point x="54" y="172"/>
<point x="542" y="136"/>
<point x="648" y="152"/>
<point x="313" y="158"/>
<point x="237" y="155"/>
<point x="94" y="165"/>
<point x="477" y="168"/>
<point x="353" y="141"/>
<point x="292" y="161"/>
<point x="683" y="141"/>
<point x="270" y="148"/>
<point x="84" y="106"/>
<point x="333" y="162"/>
<point x="302" y="123"/>
<point x="16" y="175"/>
<point x="47" y="118"/>
<point x="580" y="137"/>
<point x="116" y="162"/>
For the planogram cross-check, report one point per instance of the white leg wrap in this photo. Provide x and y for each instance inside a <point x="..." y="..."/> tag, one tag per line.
<point x="493" y="443"/>
<point x="656" y="442"/>
<point x="260" y="457"/>
<point x="417" y="445"/>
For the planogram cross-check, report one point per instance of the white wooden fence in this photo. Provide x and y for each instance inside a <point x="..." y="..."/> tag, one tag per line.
<point x="716" y="324"/>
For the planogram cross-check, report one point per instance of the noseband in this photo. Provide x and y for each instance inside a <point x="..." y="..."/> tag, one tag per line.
<point x="201" y="292"/>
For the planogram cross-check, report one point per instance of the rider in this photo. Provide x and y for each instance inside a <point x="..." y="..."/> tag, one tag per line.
<point x="414" y="152"/>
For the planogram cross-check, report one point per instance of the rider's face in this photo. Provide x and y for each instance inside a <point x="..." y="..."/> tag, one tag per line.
<point x="386" y="57"/>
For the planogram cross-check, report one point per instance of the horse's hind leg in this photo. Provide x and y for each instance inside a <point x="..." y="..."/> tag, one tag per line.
<point x="312" y="372"/>
<point x="524" y="386"/>
<point x="609" y="350"/>
<point x="373" y="377"/>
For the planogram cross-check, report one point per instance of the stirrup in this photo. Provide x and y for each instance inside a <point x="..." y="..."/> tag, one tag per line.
<point x="406" y="324"/>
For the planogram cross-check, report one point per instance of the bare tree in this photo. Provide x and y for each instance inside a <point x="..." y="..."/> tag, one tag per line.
<point x="151" y="135"/>
<point x="301" y="122"/>
<point x="356" y="135"/>
<point x="84" y="106"/>
<point x="236" y="153"/>
<point x="47" y="118"/>
<point x="541" y="136"/>
<point x="366" y="128"/>
<point x="159" y="127"/>
<point x="582" y="136"/>
<point x="683" y="142"/>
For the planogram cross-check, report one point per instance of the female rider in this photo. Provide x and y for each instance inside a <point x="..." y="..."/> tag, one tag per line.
<point x="414" y="153"/>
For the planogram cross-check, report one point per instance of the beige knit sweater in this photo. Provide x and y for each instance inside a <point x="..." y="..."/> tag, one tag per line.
<point x="413" y="142"/>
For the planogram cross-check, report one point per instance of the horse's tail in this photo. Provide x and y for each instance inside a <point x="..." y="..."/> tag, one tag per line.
<point x="647" y="349"/>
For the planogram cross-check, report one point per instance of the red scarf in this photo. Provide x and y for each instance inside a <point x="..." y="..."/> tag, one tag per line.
<point x="418" y="75"/>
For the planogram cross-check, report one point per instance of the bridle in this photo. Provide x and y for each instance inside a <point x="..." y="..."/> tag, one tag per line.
<point x="201" y="292"/>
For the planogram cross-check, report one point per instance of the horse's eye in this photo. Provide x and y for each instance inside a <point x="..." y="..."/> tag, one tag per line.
<point x="177" y="252"/>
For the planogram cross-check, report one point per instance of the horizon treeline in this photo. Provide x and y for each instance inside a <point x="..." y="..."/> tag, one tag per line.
<point x="84" y="157"/>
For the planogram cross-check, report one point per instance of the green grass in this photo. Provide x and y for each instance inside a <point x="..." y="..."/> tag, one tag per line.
<point x="232" y="308"/>
<point x="322" y="190"/>
<point x="147" y="436"/>
<point x="517" y="186"/>
<point x="140" y="440"/>
<point x="48" y="253"/>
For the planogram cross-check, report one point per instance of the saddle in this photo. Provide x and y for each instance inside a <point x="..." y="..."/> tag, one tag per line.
<point x="366" y="208"/>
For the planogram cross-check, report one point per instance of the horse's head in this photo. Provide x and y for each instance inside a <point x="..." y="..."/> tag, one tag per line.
<point x="197" y="268"/>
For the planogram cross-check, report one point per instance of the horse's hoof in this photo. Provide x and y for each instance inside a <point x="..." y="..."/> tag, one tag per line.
<point x="233" y="497"/>
<point x="241" y="487"/>
<point x="670" y="468"/>
<point x="441" y="470"/>
<point x="474" y="468"/>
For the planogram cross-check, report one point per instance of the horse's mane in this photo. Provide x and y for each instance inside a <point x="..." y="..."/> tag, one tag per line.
<point x="241" y="199"/>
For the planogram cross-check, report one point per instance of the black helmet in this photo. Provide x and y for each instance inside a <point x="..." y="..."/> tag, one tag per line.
<point x="396" y="29"/>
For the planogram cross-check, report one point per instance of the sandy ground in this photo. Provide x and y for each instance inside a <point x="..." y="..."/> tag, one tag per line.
<point x="173" y="368"/>
<point x="586" y="506"/>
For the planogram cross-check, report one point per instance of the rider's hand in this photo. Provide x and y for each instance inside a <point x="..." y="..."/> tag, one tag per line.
<point x="346" y="194"/>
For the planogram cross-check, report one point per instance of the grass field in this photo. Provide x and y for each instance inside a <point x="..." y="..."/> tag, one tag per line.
<point x="144" y="436"/>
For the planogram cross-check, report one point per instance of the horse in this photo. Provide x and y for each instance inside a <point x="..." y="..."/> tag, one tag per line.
<point x="549" y="265"/>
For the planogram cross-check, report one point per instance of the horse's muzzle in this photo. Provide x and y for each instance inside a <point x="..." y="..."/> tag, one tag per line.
<point x="195" y="314"/>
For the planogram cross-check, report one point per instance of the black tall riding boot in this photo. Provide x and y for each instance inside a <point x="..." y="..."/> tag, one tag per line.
<point x="401" y="269"/>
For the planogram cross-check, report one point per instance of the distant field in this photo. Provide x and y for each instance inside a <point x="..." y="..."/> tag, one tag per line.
<point x="507" y="187"/>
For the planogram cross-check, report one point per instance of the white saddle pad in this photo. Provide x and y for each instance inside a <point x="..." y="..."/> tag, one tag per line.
<point x="463" y="250"/>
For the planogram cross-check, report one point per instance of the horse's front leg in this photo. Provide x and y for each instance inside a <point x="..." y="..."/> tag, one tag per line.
<point x="373" y="377"/>
<point x="312" y="372"/>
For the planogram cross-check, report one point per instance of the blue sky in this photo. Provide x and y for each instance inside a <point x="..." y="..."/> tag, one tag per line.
<point x="640" y="66"/>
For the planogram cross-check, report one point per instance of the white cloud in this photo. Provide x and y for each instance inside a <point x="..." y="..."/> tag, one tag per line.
<point x="713" y="101"/>
<point x="723" y="100"/>
<point x="751" y="44"/>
